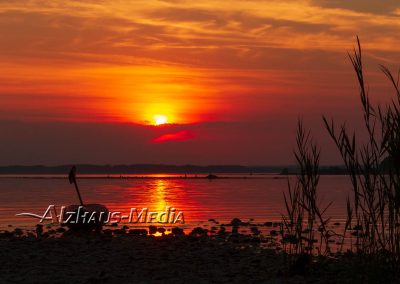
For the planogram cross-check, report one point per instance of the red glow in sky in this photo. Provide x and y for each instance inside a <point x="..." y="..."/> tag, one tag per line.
<point x="177" y="136"/>
<point x="236" y="73"/>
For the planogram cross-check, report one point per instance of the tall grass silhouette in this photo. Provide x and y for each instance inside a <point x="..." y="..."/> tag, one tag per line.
<point x="304" y="216"/>
<point x="373" y="210"/>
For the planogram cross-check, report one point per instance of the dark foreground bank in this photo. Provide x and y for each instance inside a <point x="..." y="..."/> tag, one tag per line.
<point x="118" y="257"/>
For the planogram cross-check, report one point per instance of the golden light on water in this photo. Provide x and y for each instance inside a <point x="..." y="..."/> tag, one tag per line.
<point x="159" y="198"/>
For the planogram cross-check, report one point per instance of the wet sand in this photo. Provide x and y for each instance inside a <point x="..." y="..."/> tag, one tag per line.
<point x="123" y="256"/>
<point x="133" y="259"/>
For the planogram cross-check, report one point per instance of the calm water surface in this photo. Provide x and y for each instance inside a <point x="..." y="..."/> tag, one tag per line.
<point x="256" y="197"/>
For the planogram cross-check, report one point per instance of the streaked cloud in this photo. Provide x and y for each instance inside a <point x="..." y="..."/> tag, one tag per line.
<point x="368" y="6"/>
<point x="194" y="61"/>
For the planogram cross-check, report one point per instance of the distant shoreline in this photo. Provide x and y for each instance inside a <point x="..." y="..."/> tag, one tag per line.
<point x="102" y="177"/>
<point x="144" y="169"/>
<point x="277" y="176"/>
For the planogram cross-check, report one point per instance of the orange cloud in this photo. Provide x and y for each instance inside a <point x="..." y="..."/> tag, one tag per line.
<point x="191" y="61"/>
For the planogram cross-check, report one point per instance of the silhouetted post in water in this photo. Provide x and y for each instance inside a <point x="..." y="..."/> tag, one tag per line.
<point x="72" y="179"/>
<point x="99" y="213"/>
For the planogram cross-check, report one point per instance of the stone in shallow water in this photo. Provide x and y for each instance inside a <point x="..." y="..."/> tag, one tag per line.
<point x="88" y="217"/>
<point x="152" y="230"/>
<point x="18" y="232"/>
<point x="138" y="232"/>
<point x="236" y="222"/>
<point x="222" y="231"/>
<point x="198" y="231"/>
<point x="60" y="230"/>
<point x="273" y="233"/>
<point x="255" y="230"/>
<point x="177" y="231"/>
<point x="268" y="224"/>
<point x="39" y="230"/>
<point x="119" y="231"/>
<point x="6" y="234"/>
<point x="161" y="230"/>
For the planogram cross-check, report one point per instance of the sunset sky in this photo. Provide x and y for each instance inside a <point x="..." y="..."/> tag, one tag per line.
<point x="176" y="82"/>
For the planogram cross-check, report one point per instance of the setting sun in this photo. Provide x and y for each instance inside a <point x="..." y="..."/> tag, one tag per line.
<point x="160" y="119"/>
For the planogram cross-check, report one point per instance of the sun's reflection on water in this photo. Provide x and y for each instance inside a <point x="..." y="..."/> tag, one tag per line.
<point x="158" y="195"/>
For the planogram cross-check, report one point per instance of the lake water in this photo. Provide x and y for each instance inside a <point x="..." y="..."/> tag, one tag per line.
<point x="258" y="197"/>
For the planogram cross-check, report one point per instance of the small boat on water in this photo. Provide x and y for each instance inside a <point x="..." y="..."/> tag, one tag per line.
<point x="84" y="216"/>
<point x="211" y="176"/>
